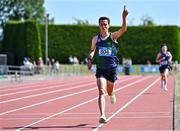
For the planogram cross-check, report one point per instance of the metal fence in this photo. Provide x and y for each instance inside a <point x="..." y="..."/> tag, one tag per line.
<point x="18" y="73"/>
<point x="21" y="72"/>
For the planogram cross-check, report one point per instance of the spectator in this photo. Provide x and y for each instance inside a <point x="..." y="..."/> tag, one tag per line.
<point x="71" y="60"/>
<point x="126" y="65"/>
<point x="49" y="66"/>
<point x="40" y="65"/>
<point x="57" y="65"/>
<point x="149" y="65"/>
<point x="52" y="66"/>
<point x="75" y="59"/>
<point x="27" y="63"/>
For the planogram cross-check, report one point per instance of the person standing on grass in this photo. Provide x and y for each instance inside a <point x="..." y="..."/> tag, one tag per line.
<point x="164" y="58"/>
<point x="105" y="47"/>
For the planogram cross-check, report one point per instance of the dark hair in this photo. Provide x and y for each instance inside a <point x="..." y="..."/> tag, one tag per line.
<point x="163" y="44"/>
<point x="104" y="18"/>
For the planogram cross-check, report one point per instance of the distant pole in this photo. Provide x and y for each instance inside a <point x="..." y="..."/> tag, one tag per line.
<point x="46" y="38"/>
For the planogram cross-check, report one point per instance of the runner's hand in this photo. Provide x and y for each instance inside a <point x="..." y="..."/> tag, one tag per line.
<point x="170" y="62"/>
<point x="125" y="12"/>
<point x="89" y="63"/>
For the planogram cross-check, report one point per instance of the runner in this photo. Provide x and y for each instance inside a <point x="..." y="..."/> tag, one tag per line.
<point x="164" y="58"/>
<point x="105" y="47"/>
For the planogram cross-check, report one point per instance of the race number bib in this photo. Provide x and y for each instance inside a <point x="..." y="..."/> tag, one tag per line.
<point x="105" y="51"/>
<point x="164" y="62"/>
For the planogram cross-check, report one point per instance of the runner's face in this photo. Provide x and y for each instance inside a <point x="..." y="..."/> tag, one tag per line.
<point x="164" y="48"/>
<point x="103" y="25"/>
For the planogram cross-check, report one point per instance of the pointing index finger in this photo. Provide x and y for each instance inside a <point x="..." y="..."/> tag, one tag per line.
<point x="124" y="7"/>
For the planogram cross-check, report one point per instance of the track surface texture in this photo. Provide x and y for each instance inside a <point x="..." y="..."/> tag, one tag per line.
<point x="71" y="104"/>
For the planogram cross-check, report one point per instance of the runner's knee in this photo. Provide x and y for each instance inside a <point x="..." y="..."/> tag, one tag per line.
<point x="102" y="91"/>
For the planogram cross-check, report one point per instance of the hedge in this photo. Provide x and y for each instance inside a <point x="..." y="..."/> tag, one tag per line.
<point x="21" y="39"/>
<point x="68" y="40"/>
<point x="143" y="43"/>
<point x="138" y="43"/>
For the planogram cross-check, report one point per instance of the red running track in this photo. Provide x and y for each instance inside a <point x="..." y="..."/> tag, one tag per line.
<point x="71" y="104"/>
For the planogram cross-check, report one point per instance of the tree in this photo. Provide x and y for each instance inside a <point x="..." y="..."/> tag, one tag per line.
<point x="81" y="22"/>
<point x="21" y="10"/>
<point x="147" y="21"/>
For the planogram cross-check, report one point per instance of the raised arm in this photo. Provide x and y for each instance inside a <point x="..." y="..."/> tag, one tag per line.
<point x="123" y="29"/>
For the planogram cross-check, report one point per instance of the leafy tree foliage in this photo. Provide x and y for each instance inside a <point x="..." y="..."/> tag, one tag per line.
<point x="21" y="10"/>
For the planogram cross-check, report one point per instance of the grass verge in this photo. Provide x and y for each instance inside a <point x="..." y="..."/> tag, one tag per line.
<point x="178" y="89"/>
<point x="177" y="103"/>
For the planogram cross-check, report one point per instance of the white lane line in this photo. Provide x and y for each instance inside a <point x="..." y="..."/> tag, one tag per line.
<point x="42" y="84"/>
<point x="37" y="89"/>
<point x="27" y="87"/>
<point x="73" y="107"/>
<point x="47" y="101"/>
<point x="54" y="99"/>
<point x="91" y="113"/>
<point x="88" y="117"/>
<point x="127" y="104"/>
<point x="54" y="91"/>
<point x="45" y="93"/>
<point x="35" y="84"/>
<point x="12" y="86"/>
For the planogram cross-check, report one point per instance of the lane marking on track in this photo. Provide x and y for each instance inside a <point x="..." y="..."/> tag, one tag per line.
<point x="127" y="104"/>
<point x="37" y="89"/>
<point x="36" y="84"/>
<point x="55" y="91"/>
<point x="88" y="117"/>
<point x="47" y="101"/>
<point x="76" y="106"/>
<point x="45" y="93"/>
<point x="87" y="113"/>
<point x="42" y="84"/>
<point x="20" y="86"/>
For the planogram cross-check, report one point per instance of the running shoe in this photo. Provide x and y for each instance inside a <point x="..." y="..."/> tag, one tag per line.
<point x="102" y="119"/>
<point x="113" y="99"/>
<point x="165" y="87"/>
<point x="162" y="85"/>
